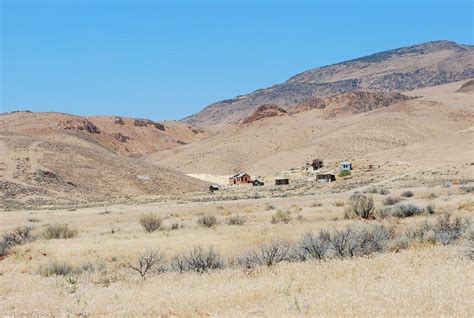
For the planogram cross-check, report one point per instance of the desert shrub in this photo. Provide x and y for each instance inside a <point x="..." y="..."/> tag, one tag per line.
<point x="55" y="268"/>
<point x="281" y="216"/>
<point x="373" y="239"/>
<point x="310" y="246"/>
<point x="398" y="243"/>
<point x="19" y="235"/>
<point x="401" y="211"/>
<point x="150" y="222"/>
<point x="430" y="208"/>
<point x="468" y="189"/>
<point x="372" y="190"/>
<point x="344" y="173"/>
<point x="198" y="260"/>
<point x="207" y="221"/>
<point x="468" y="205"/>
<point x="391" y="201"/>
<point x="383" y="191"/>
<point x="360" y="206"/>
<point x="174" y="226"/>
<point x="90" y="267"/>
<point x="342" y="243"/>
<point x="59" y="231"/>
<point x="351" y="242"/>
<point x="407" y="194"/>
<point x="269" y="207"/>
<point x="431" y="196"/>
<point x="445" y="230"/>
<point x="468" y="248"/>
<point x="236" y="220"/>
<point x="266" y="255"/>
<point x="149" y="262"/>
<point x="3" y="248"/>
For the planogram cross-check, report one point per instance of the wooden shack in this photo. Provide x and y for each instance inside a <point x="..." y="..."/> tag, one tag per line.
<point x="240" y="178"/>
<point x="282" y="181"/>
<point x="326" y="177"/>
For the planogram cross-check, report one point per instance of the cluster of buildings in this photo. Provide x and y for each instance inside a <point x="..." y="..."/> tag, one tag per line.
<point x="245" y="178"/>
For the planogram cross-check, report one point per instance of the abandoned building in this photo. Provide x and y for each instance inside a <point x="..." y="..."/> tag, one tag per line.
<point x="257" y="183"/>
<point x="240" y="178"/>
<point x="326" y="177"/>
<point x="346" y="166"/>
<point x="282" y="181"/>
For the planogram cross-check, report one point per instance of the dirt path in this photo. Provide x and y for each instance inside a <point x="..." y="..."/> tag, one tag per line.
<point x="7" y="165"/>
<point x="34" y="165"/>
<point x="386" y="181"/>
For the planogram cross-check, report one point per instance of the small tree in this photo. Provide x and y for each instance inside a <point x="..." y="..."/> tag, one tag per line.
<point x="148" y="262"/>
<point x="360" y="206"/>
<point x="317" y="164"/>
<point x="344" y="173"/>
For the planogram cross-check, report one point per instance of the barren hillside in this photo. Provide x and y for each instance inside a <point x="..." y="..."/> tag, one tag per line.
<point x="399" y="70"/>
<point x="48" y="159"/>
<point x="402" y="131"/>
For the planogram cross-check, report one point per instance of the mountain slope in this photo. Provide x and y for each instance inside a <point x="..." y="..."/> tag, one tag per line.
<point x="397" y="70"/>
<point x="439" y="116"/>
<point x="50" y="159"/>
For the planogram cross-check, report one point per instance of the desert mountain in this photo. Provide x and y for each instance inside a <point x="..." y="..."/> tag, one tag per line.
<point x="350" y="103"/>
<point x="398" y="70"/>
<point x="51" y="158"/>
<point x="412" y="128"/>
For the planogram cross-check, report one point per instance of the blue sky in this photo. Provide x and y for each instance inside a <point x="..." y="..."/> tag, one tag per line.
<point x="169" y="59"/>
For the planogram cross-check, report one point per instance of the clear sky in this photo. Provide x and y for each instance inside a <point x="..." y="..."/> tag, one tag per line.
<point x="168" y="59"/>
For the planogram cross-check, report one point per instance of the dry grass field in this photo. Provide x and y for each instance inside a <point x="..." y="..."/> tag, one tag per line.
<point x="89" y="274"/>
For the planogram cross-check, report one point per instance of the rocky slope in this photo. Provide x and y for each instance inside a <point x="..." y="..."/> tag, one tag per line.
<point x="264" y="111"/>
<point x="397" y="70"/>
<point x="350" y="103"/>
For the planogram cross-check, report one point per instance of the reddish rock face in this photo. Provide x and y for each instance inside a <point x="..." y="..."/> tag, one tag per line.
<point x="81" y="124"/>
<point x="264" y="111"/>
<point x="120" y="137"/>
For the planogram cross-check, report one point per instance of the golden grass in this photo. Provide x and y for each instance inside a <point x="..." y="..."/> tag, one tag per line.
<point x="429" y="282"/>
<point x="425" y="280"/>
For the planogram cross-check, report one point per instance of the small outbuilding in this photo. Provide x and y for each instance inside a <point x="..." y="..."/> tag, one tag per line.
<point x="282" y="181"/>
<point x="240" y="178"/>
<point x="257" y="183"/>
<point x="346" y="166"/>
<point x="326" y="177"/>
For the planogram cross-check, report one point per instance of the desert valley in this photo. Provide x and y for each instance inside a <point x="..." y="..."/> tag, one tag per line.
<point x="108" y="215"/>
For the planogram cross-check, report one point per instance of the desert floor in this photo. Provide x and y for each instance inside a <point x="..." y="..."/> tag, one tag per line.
<point x="425" y="278"/>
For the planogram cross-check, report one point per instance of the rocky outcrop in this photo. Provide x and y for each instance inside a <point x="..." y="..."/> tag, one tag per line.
<point x="264" y="111"/>
<point x="120" y="137"/>
<point x="350" y="103"/>
<point x="79" y="124"/>
<point x="147" y="122"/>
